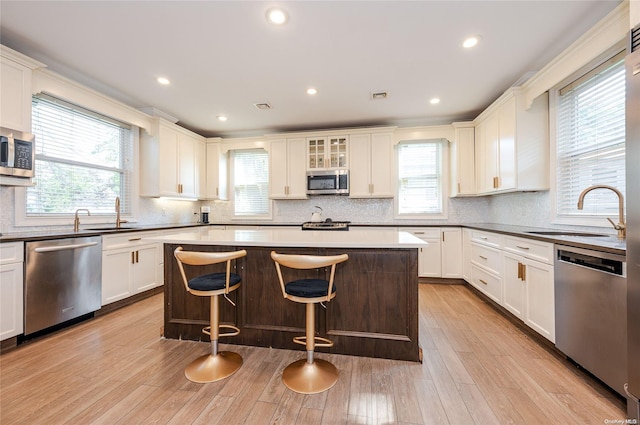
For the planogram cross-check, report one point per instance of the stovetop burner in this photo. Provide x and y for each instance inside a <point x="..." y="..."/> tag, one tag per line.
<point x="326" y="225"/>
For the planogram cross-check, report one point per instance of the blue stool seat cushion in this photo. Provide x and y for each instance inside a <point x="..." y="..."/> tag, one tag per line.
<point x="213" y="281"/>
<point x="308" y="288"/>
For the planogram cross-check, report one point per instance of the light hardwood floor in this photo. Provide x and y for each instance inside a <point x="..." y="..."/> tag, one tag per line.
<point x="478" y="369"/>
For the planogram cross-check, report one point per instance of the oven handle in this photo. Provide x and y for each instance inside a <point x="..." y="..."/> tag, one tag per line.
<point x="64" y="247"/>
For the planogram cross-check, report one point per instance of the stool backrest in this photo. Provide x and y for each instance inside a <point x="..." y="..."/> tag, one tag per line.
<point x="198" y="258"/>
<point x="297" y="261"/>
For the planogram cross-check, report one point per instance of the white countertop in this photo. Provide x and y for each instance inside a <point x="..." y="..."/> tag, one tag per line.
<point x="296" y="238"/>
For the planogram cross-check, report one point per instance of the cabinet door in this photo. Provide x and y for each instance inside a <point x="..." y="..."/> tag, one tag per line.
<point x="187" y="166"/>
<point x="317" y="153"/>
<point x="168" y="158"/>
<point x="216" y="180"/>
<point x="360" y="171"/>
<point x="514" y="285"/>
<point x="116" y="269"/>
<point x="463" y="181"/>
<point x="507" y="145"/>
<point x="338" y="157"/>
<point x="11" y="300"/>
<point x="466" y="254"/>
<point x="297" y="169"/>
<point x="277" y="169"/>
<point x="451" y="248"/>
<point x="540" y="310"/>
<point x="201" y="170"/>
<point x="15" y="96"/>
<point x="430" y="259"/>
<point x="381" y="165"/>
<point x="145" y="268"/>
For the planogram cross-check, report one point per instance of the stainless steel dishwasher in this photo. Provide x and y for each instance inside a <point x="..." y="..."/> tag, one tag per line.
<point x="63" y="281"/>
<point x="591" y="312"/>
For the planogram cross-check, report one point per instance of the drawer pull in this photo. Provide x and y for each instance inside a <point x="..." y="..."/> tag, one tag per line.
<point x="134" y="239"/>
<point x="484" y="238"/>
<point x="482" y="281"/>
<point x="482" y="256"/>
<point x="522" y="247"/>
<point x="418" y="233"/>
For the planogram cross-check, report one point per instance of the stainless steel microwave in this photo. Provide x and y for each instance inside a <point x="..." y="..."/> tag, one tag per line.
<point x="17" y="153"/>
<point x="328" y="182"/>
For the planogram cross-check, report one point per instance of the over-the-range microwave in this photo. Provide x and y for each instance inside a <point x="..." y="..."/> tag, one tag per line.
<point x="328" y="182"/>
<point x="17" y="153"/>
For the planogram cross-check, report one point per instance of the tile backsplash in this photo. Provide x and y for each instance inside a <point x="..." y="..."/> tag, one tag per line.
<point x="525" y="209"/>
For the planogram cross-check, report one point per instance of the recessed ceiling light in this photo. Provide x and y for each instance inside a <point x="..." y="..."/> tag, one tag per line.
<point x="163" y="81"/>
<point x="222" y="117"/>
<point x="276" y="16"/>
<point x="434" y="101"/>
<point x="471" y="42"/>
<point x="311" y="91"/>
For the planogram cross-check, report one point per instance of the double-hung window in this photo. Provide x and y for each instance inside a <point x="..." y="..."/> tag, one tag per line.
<point x="590" y="143"/>
<point x="83" y="160"/>
<point x="250" y="171"/>
<point x="420" y="179"/>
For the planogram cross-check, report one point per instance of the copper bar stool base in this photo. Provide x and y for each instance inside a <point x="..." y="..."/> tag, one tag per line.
<point x="211" y="368"/>
<point x="310" y="378"/>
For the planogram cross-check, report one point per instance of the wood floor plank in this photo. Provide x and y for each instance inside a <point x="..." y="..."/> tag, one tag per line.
<point x="478" y="368"/>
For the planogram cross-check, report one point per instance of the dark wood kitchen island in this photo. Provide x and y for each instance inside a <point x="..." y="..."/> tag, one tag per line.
<point x="374" y="314"/>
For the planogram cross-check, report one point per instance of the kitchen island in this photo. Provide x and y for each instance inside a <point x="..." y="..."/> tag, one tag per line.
<point x="374" y="314"/>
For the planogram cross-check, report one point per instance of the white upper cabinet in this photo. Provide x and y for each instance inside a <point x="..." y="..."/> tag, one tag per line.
<point x="287" y="169"/>
<point x="512" y="145"/>
<point x="15" y="89"/>
<point x="216" y="172"/>
<point x="327" y="152"/>
<point x="370" y="172"/>
<point x="462" y="157"/>
<point x="169" y="164"/>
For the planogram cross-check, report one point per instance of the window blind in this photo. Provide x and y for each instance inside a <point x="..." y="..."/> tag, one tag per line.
<point x="420" y="178"/>
<point x="83" y="160"/>
<point x="251" y="182"/>
<point x="590" y="142"/>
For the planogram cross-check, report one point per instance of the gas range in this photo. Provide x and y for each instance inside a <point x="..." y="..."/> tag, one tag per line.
<point x="326" y="225"/>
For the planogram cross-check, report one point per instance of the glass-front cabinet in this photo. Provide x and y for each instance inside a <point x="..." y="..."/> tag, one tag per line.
<point x="327" y="152"/>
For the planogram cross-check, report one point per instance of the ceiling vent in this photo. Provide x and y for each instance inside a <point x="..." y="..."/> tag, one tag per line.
<point x="379" y="95"/>
<point x="262" y="105"/>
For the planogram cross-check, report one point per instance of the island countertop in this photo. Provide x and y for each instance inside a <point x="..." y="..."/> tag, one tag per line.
<point x="296" y="238"/>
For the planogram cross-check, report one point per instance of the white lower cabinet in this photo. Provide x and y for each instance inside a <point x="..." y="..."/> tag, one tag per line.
<point x="516" y="273"/>
<point x="130" y="265"/>
<point x="11" y="289"/>
<point x="442" y="257"/>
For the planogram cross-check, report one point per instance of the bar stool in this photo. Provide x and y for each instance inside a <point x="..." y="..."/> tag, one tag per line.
<point x="218" y="364"/>
<point x="309" y="376"/>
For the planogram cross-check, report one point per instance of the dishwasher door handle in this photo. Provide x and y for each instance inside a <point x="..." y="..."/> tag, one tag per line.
<point x="64" y="247"/>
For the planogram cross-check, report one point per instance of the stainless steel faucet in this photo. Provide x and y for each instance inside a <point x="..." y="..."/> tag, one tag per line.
<point x="76" y="220"/>
<point x="118" y="220"/>
<point x="620" y="227"/>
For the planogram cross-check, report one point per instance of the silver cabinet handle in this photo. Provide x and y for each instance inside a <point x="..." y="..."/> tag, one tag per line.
<point x="482" y="281"/>
<point x="63" y="247"/>
<point x="483" y="257"/>
<point x="522" y="247"/>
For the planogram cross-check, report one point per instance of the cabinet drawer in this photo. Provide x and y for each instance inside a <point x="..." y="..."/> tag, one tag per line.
<point x="487" y="283"/>
<point x="123" y="240"/>
<point x="486" y="238"/>
<point x="532" y="249"/>
<point x="12" y="252"/>
<point x="489" y="258"/>
<point x="424" y="232"/>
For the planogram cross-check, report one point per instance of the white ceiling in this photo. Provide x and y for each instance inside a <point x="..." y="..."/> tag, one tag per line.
<point x="222" y="56"/>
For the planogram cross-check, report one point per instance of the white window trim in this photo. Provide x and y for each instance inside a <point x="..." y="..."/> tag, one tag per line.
<point x="582" y="220"/>
<point x="22" y="220"/>
<point x="444" y="181"/>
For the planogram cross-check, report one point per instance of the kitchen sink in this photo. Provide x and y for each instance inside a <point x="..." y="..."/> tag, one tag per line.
<point x="563" y="233"/>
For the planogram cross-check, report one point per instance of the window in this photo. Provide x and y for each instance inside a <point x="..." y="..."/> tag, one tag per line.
<point x="82" y="161"/>
<point x="251" y="182"/>
<point x="420" y="178"/>
<point x="590" y="141"/>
